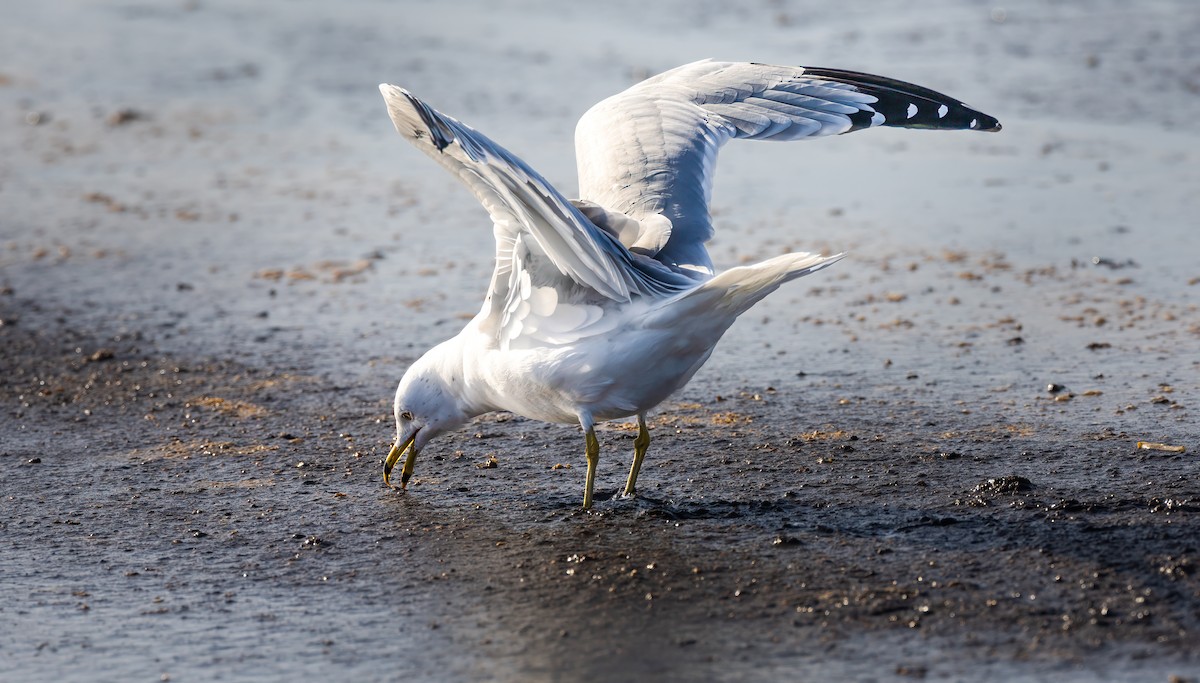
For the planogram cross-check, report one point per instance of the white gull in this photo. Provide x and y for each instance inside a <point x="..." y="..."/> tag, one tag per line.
<point x="602" y="307"/>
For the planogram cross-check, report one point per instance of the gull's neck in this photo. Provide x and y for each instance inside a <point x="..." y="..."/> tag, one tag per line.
<point x="456" y="370"/>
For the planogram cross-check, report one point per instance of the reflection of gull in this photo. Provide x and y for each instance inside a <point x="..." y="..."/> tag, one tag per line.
<point x="600" y="308"/>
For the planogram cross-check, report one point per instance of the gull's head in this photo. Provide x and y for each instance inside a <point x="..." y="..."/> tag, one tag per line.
<point x="426" y="405"/>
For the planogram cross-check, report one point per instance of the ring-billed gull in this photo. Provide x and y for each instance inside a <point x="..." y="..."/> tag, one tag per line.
<point x="602" y="307"/>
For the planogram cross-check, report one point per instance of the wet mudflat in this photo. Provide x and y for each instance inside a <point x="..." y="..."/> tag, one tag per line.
<point x="919" y="464"/>
<point x="205" y="519"/>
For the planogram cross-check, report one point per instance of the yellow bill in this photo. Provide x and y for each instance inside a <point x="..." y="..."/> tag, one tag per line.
<point x="398" y="450"/>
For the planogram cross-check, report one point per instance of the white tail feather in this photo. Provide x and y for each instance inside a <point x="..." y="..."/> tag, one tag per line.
<point x="734" y="291"/>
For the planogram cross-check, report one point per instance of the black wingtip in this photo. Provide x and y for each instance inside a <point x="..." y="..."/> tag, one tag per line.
<point x="427" y="122"/>
<point x="439" y="133"/>
<point x="906" y="105"/>
<point x="981" y="121"/>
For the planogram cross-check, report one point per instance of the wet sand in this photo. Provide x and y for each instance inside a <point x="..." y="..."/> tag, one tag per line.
<point x="217" y="260"/>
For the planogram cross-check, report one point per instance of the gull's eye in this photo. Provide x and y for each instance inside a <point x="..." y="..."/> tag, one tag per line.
<point x="405" y="415"/>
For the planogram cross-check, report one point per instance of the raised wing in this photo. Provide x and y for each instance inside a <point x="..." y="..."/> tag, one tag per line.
<point x="528" y="213"/>
<point x="532" y="304"/>
<point x="650" y="150"/>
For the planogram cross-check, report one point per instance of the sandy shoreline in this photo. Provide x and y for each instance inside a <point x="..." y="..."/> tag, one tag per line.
<point x="176" y="521"/>
<point x="216" y="264"/>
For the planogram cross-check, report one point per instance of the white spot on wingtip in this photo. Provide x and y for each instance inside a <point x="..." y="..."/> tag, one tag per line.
<point x="912" y="110"/>
<point x="974" y="123"/>
<point x="942" y="111"/>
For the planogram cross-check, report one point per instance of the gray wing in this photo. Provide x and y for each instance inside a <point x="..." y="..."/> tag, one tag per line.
<point x="531" y="219"/>
<point x="650" y="150"/>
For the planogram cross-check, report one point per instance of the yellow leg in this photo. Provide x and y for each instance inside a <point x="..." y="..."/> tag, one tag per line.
<point x="640" y="444"/>
<point x="593" y="458"/>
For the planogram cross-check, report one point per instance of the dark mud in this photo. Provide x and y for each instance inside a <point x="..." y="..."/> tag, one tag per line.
<point x="203" y="519"/>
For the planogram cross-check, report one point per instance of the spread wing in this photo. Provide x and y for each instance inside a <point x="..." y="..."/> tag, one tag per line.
<point x="650" y="150"/>
<point x="544" y="243"/>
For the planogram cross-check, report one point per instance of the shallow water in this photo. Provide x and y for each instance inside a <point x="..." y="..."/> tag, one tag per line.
<point x="261" y="257"/>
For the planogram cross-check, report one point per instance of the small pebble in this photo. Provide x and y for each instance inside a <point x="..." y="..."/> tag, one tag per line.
<point x="121" y="117"/>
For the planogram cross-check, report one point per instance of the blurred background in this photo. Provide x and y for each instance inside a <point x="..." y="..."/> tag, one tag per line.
<point x="192" y="165"/>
